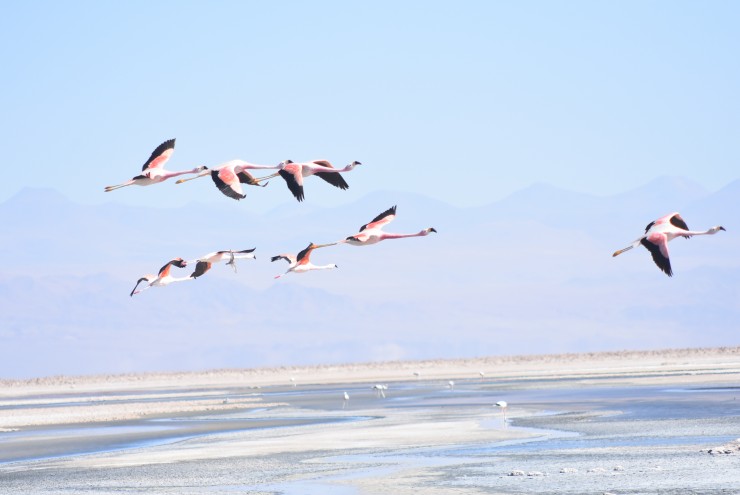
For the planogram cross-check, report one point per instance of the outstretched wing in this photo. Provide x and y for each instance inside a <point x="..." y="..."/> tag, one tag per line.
<point x="227" y="183"/>
<point x="303" y="256"/>
<point x="142" y="279"/>
<point x="200" y="268"/>
<point x="657" y="244"/>
<point x="165" y="270"/>
<point x="680" y="223"/>
<point x="294" y="180"/>
<point x="244" y="251"/>
<point x="335" y="179"/>
<point x="160" y="155"/>
<point x="287" y="257"/>
<point x="381" y="220"/>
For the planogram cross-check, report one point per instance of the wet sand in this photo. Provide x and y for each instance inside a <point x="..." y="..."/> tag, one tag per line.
<point x="598" y="423"/>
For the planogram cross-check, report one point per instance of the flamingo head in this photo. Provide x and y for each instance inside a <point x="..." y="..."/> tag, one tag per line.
<point x="282" y="164"/>
<point x="430" y="230"/>
<point x="718" y="228"/>
<point x="353" y="165"/>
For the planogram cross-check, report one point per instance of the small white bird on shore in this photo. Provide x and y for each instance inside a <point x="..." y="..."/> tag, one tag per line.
<point x="346" y="400"/>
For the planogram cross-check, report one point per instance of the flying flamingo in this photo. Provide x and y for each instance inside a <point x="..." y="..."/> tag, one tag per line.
<point x="163" y="277"/>
<point x="229" y="255"/>
<point x="230" y="176"/>
<point x="294" y="173"/>
<point x="372" y="233"/>
<point x="657" y="235"/>
<point x="301" y="263"/>
<point x="153" y="170"/>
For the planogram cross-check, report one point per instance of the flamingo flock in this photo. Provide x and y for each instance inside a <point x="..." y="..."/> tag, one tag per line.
<point x="229" y="178"/>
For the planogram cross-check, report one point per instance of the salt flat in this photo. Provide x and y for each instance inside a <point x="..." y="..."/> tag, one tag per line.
<point x="637" y="422"/>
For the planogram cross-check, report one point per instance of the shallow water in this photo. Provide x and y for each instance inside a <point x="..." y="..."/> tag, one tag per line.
<point x="574" y="423"/>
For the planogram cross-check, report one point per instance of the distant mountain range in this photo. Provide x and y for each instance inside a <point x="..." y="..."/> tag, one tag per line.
<point x="530" y="273"/>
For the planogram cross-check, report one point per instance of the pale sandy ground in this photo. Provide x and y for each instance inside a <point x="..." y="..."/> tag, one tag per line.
<point x="287" y="430"/>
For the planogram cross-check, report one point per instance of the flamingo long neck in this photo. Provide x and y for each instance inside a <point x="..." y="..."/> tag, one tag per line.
<point x="252" y="166"/>
<point x="169" y="175"/>
<point x="322" y="267"/>
<point x="401" y="236"/>
<point x="711" y="231"/>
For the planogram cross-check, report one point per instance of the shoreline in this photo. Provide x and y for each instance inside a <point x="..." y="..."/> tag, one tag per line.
<point x="567" y="365"/>
<point x="578" y="423"/>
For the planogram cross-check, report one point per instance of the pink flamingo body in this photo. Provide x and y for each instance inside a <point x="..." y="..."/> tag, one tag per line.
<point x="301" y="263"/>
<point x="295" y="173"/>
<point x="372" y="233"/>
<point x="229" y="177"/>
<point x="153" y="171"/>
<point x="659" y="233"/>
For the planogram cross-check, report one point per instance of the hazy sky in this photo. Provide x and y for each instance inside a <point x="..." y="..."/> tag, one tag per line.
<point x="463" y="101"/>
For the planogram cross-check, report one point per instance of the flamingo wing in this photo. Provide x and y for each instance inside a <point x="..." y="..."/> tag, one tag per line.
<point x="381" y="220"/>
<point x="145" y="278"/>
<point x="245" y="251"/>
<point x="679" y="223"/>
<point x="160" y="155"/>
<point x="287" y="257"/>
<point x="200" y="268"/>
<point x="304" y="256"/>
<point x="657" y="244"/>
<point x="228" y="183"/>
<point x="294" y="180"/>
<point x="165" y="270"/>
<point x="335" y="179"/>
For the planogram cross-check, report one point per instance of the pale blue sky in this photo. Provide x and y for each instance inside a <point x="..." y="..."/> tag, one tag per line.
<point x="463" y="101"/>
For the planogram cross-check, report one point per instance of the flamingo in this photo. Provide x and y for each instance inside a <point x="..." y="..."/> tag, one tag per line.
<point x="346" y="400"/>
<point x="502" y="404"/>
<point x="657" y="235"/>
<point x="372" y="233"/>
<point x="301" y="263"/>
<point x="380" y="390"/>
<point x="230" y="255"/>
<point x="153" y="170"/>
<point x="229" y="177"/>
<point x="294" y="173"/>
<point x="163" y="277"/>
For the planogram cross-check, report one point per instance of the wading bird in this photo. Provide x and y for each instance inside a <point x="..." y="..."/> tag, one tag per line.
<point x="301" y="263"/>
<point x="294" y="173"/>
<point x="372" y="233"/>
<point x="346" y="400"/>
<point x="163" y="277"/>
<point x="230" y="176"/>
<point x="230" y="255"/>
<point x="502" y="405"/>
<point x="153" y="170"/>
<point x="657" y="235"/>
<point x="380" y="390"/>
